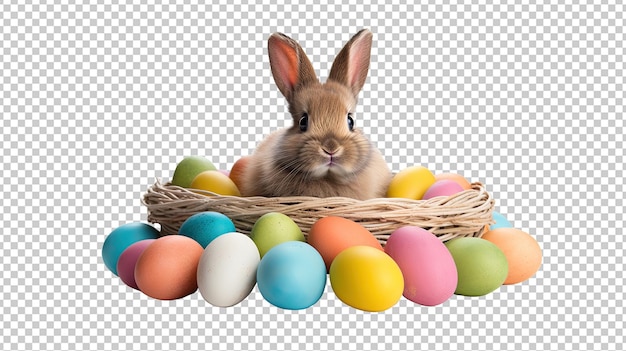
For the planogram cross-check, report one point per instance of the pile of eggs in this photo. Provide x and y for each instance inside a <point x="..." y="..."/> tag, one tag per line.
<point x="291" y="271"/>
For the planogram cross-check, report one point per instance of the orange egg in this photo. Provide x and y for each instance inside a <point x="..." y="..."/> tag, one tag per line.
<point x="522" y="252"/>
<point x="464" y="183"/>
<point x="166" y="270"/>
<point x="238" y="170"/>
<point x="331" y="235"/>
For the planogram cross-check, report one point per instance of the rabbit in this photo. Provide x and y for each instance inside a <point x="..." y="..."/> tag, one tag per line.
<point x="323" y="154"/>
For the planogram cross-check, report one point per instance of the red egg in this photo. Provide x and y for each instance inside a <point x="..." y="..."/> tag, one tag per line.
<point x="238" y="170"/>
<point x="331" y="235"/>
<point x="128" y="260"/>
<point x="167" y="269"/>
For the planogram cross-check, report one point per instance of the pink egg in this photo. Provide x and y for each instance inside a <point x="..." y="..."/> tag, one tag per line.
<point x="128" y="260"/>
<point x="443" y="187"/>
<point x="225" y="172"/>
<point x="430" y="275"/>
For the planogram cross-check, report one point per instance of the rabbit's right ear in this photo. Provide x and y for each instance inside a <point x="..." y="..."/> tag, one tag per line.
<point x="291" y="67"/>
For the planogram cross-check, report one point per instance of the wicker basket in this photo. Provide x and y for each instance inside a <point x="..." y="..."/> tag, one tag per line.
<point x="462" y="214"/>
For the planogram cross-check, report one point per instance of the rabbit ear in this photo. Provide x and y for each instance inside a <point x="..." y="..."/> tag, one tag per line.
<point x="291" y="67"/>
<point x="353" y="61"/>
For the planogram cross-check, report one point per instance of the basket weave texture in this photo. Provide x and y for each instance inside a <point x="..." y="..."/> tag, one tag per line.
<point x="463" y="214"/>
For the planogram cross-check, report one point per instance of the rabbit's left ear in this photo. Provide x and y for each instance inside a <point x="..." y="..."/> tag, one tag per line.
<point x="353" y="61"/>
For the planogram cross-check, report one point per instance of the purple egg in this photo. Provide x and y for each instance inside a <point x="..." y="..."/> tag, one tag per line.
<point x="128" y="260"/>
<point x="444" y="187"/>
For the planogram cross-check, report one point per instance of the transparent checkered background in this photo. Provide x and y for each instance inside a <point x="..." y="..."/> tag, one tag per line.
<point x="100" y="98"/>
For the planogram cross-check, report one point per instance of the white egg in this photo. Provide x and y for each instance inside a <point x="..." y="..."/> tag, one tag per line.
<point x="227" y="269"/>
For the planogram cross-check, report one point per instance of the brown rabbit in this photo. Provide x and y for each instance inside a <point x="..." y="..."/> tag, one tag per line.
<point x="323" y="154"/>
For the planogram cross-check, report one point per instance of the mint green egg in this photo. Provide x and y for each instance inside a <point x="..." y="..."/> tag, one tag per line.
<point x="273" y="229"/>
<point x="187" y="169"/>
<point x="481" y="266"/>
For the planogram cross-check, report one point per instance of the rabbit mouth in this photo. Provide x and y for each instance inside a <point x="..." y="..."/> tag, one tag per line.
<point x="330" y="168"/>
<point x="330" y="171"/>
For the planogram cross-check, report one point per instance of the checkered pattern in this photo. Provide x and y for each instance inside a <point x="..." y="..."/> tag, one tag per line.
<point x="99" y="98"/>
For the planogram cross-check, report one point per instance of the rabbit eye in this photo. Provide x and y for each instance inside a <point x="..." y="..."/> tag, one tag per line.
<point x="304" y="122"/>
<point x="350" y="122"/>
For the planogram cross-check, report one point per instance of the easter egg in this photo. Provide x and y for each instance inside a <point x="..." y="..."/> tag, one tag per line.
<point x="121" y="238"/>
<point x="215" y="182"/>
<point x="443" y="187"/>
<point x="411" y="183"/>
<point x="238" y="170"/>
<point x="480" y="264"/>
<point x="459" y="179"/>
<point x="189" y="168"/>
<point x="366" y="278"/>
<point x="501" y="221"/>
<point x="292" y="275"/>
<point x="331" y="235"/>
<point x="204" y="227"/>
<point x="272" y="229"/>
<point x="522" y="252"/>
<point x="429" y="272"/>
<point x="167" y="269"/>
<point x="227" y="269"/>
<point x="128" y="260"/>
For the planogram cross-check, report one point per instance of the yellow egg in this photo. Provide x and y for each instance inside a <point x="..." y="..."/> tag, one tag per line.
<point x="366" y="278"/>
<point x="411" y="183"/>
<point x="216" y="182"/>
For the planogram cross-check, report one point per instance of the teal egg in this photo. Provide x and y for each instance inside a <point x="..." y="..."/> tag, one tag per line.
<point x="292" y="275"/>
<point x="501" y="221"/>
<point x="204" y="227"/>
<point x="121" y="238"/>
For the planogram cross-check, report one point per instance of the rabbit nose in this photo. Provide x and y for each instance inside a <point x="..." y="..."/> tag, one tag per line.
<point x="331" y="147"/>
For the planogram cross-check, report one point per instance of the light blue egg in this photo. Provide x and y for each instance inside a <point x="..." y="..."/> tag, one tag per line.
<point x="292" y="275"/>
<point x="501" y="221"/>
<point x="121" y="238"/>
<point x="204" y="227"/>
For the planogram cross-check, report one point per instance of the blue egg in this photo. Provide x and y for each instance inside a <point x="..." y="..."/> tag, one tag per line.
<point x="292" y="275"/>
<point x="204" y="227"/>
<point x="501" y="221"/>
<point x="121" y="238"/>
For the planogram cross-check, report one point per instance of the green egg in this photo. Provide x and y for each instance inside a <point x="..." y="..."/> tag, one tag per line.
<point x="189" y="168"/>
<point x="481" y="265"/>
<point x="272" y="229"/>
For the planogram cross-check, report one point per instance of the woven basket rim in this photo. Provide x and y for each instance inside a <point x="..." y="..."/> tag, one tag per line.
<point x="463" y="214"/>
